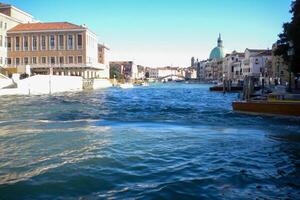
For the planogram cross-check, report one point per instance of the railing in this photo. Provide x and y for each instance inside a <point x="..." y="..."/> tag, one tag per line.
<point x="85" y="65"/>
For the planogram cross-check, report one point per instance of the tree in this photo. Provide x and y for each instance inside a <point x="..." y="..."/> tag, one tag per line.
<point x="115" y="72"/>
<point x="291" y="33"/>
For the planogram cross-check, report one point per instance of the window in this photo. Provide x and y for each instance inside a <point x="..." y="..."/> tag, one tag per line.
<point x="5" y="25"/>
<point x="79" y="41"/>
<point x="52" y="60"/>
<point x="1" y="60"/>
<point x="61" y="60"/>
<point x="44" y="60"/>
<point x="43" y="42"/>
<point x="79" y="59"/>
<point x="8" y="43"/>
<point x="52" y="42"/>
<point x="61" y="42"/>
<point x="33" y="60"/>
<point x="70" y="42"/>
<point x="70" y="59"/>
<point x="25" y="43"/>
<point x="26" y="62"/>
<point x="8" y="61"/>
<point x="1" y="24"/>
<point x="17" y="43"/>
<point x="34" y="43"/>
<point x="1" y="40"/>
<point x="17" y="61"/>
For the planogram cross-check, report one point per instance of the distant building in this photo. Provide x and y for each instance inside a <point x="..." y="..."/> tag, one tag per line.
<point x="217" y="53"/>
<point x="192" y="61"/>
<point x="279" y="68"/>
<point x="64" y="48"/>
<point x="213" y="69"/>
<point x="127" y="69"/>
<point x="201" y="70"/>
<point x="102" y="59"/>
<point x="141" y="72"/>
<point x="232" y="65"/>
<point x="256" y="62"/>
<point x="190" y="73"/>
<point x="153" y="73"/>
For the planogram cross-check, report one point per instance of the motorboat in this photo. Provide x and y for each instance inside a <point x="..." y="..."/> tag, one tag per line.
<point x="126" y="85"/>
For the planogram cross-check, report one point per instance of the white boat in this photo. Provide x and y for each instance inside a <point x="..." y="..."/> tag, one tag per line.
<point x="126" y="85"/>
<point x="145" y="84"/>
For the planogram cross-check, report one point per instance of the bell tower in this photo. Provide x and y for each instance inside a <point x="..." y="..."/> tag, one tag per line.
<point x="220" y="42"/>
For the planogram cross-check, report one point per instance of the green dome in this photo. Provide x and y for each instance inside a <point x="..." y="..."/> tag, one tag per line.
<point x="216" y="53"/>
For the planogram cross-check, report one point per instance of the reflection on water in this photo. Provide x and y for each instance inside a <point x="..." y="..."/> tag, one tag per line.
<point x="163" y="141"/>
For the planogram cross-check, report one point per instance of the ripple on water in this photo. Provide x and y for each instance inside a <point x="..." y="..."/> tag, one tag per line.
<point x="161" y="142"/>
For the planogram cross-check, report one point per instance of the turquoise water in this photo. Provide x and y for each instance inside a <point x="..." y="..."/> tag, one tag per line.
<point x="170" y="141"/>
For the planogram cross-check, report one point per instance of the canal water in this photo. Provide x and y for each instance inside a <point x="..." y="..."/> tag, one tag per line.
<point x="168" y="141"/>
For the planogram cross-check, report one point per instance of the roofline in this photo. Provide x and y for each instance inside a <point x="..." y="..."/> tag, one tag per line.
<point x="11" y="18"/>
<point x="90" y="31"/>
<point x="47" y="31"/>
<point x="11" y="6"/>
<point x="103" y="46"/>
<point x="120" y="61"/>
<point x="261" y="50"/>
<point x="260" y="54"/>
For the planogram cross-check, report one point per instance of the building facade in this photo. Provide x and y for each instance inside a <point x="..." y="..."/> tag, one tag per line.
<point x="280" y="68"/>
<point x="10" y="17"/>
<point x="127" y="69"/>
<point x="231" y="66"/>
<point x="256" y="62"/>
<point x="60" y="48"/>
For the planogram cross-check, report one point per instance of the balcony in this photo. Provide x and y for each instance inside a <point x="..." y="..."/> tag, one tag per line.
<point x="83" y="65"/>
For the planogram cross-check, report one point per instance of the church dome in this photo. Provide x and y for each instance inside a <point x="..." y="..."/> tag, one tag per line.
<point x="217" y="52"/>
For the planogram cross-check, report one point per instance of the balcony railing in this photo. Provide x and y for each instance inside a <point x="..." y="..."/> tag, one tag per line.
<point x="84" y="65"/>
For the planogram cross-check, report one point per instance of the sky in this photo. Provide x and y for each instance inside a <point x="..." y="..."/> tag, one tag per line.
<point x="159" y="33"/>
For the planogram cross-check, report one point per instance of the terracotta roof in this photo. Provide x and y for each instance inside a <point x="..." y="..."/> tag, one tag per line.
<point x="265" y="53"/>
<point x="256" y="50"/>
<point x="45" y="26"/>
<point x="240" y="54"/>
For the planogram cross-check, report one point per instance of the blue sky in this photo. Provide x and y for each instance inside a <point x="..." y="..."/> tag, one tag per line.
<point x="168" y="32"/>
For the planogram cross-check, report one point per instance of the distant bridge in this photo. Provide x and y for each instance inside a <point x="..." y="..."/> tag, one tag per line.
<point x="171" y="76"/>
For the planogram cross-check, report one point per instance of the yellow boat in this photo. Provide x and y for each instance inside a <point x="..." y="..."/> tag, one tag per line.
<point x="273" y="107"/>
